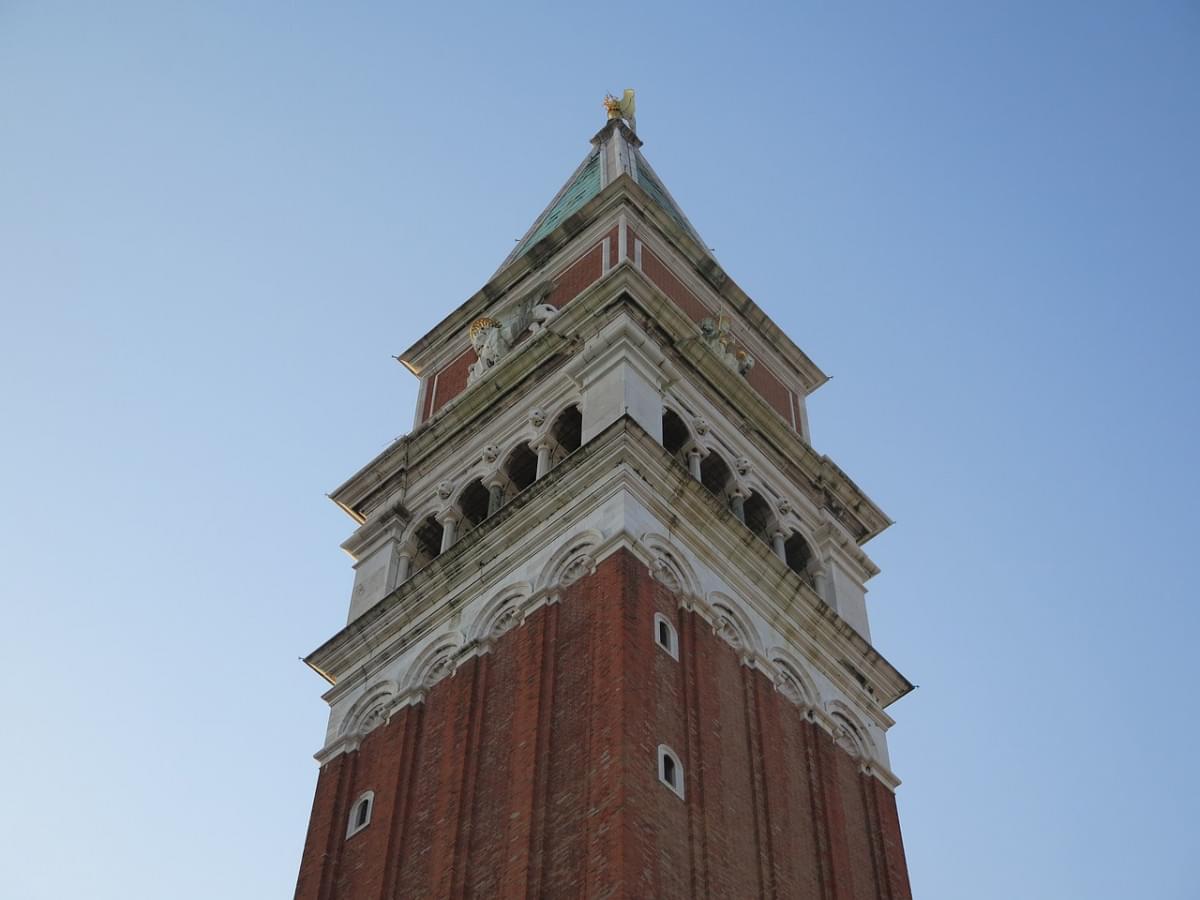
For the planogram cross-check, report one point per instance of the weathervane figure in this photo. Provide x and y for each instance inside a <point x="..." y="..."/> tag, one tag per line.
<point x="624" y="108"/>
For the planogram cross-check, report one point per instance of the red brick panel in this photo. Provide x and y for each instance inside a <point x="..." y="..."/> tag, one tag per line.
<point x="891" y="842"/>
<point x="496" y="791"/>
<point x="730" y="819"/>
<point x="579" y="275"/>
<point x="452" y="380"/>
<point x="657" y="272"/>
<point x="860" y="837"/>
<point x="323" y="831"/>
<point x="796" y="863"/>
<point x="565" y="827"/>
<point x="772" y="390"/>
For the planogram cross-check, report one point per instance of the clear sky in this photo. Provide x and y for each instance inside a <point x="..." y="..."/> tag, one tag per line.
<point x="219" y="220"/>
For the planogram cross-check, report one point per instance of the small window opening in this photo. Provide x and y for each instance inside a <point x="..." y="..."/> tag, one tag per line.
<point x="567" y="432"/>
<point x="521" y="467"/>
<point x="675" y="434"/>
<point x="474" y="504"/>
<point x="800" y="559"/>
<point x="428" y="539"/>
<point x="759" y="518"/>
<point x="360" y="815"/>
<point x="665" y="636"/>
<point x="716" y="475"/>
<point x="670" y="772"/>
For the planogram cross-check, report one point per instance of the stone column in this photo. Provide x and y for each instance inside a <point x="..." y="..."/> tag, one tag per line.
<point x="779" y="543"/>
<point x="449" y="520"/>
<point x="495" y="496"/>
<point x="403" y="564"/>
<point x="737" y="503"/>
<point x="694" y="456"/>
<point x="821" y="584"/>
<point x="543" y="457"/>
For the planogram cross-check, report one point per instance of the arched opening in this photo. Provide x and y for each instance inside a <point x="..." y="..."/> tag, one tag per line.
<point x="676" y="436"/>
<point x="521" y="467"/>
<point x="427" y="540"/>
<point x="473" y="502"/>
<point x="360" y="814"/>
<point x="567" y="433"/>
<point x="716" y="475"/>
<point x="800" y="558"/>
<point x="759" y="517"/>
<point x="670" y="770"/>
<point x="665" y="635"/>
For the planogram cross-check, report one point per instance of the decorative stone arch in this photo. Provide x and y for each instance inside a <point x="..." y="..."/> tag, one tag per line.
<point x="564" y="430"/>
<point x="670" y="567"/>
<point x="424" y="537"/>
<point x="437" y="661"/>
<point x="555" y="413"/>
<point x="793" y="680"/>
<point x="677" y="434"/>
<point x="504" y="612"/>
<point x="370" y="710"/>
<point x="731" y="624"/>
<point x="519" y="465"/>
<point x="849" y="732"/>
<point x="576" y="559"/>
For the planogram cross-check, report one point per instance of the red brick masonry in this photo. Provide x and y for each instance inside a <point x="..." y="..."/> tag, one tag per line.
<point x="532" y="772"/>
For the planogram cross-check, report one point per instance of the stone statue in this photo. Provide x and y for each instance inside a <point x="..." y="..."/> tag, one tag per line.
<point x="494" y="338"/>
<point x="623" y="108"/>
<point x="716" y="333"/>
<point x="490" y="343"/>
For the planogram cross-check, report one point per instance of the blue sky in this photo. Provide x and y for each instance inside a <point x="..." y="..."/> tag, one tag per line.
<point x="218" y="222"/>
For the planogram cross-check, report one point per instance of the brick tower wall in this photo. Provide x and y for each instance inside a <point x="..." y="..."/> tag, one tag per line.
<point x="532" y="771"/>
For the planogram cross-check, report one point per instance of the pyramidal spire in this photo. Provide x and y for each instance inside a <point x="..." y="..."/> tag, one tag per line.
<point x="616" y="152"/>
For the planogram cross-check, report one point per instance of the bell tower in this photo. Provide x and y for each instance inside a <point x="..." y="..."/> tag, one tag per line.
<point x="608" y="633"/>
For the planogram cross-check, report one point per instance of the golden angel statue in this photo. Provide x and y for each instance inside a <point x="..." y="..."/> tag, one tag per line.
<point x="624" y="108"/>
